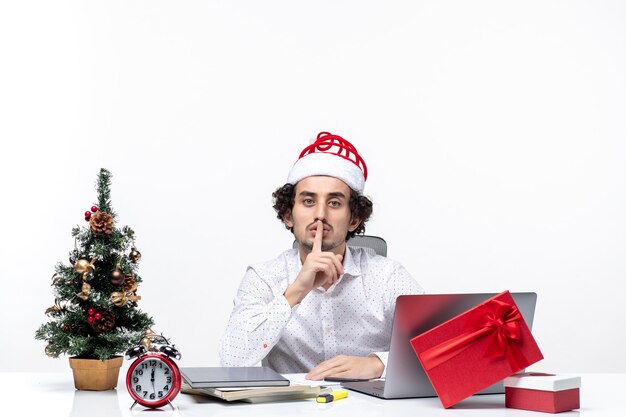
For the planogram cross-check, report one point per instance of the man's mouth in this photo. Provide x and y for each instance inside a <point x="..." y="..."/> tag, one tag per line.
<point x="325" y="228"/>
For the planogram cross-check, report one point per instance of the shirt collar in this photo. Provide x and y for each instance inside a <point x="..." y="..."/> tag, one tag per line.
<point x="351" y="262"/>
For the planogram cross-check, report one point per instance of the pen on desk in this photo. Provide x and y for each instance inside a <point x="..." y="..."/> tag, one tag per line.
<point x="333" y="396"/>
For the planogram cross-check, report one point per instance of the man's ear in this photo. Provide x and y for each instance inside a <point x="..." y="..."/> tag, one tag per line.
<point x="288" y="219"/>
<point x="354" y="223"/>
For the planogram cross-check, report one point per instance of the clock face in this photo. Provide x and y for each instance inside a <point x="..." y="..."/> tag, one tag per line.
<point x="152" y="380"/>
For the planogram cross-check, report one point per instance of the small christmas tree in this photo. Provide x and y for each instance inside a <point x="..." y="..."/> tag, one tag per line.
<point x="95" y="312"/>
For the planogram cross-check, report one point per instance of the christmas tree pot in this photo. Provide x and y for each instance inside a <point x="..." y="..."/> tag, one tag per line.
<point x="94" y="374"/>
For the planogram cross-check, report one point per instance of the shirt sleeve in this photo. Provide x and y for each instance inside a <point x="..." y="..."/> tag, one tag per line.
<point x="400" y="283"/>
<point x="383" y="356"/>
<point x="259" y="316"/>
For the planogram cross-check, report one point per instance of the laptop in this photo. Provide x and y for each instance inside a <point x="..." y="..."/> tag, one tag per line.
<point x="415" y="314"/>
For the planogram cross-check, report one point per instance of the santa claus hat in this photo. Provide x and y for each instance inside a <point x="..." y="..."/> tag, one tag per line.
<point x="333" y="156"/>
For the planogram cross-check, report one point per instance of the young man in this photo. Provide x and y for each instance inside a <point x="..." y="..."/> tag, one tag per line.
<point x="323" y="308"/>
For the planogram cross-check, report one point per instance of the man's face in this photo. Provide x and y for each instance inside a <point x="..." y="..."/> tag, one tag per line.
<point x="321" y="198"/>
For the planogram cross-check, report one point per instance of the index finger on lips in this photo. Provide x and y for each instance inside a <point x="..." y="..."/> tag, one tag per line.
<point x="319" y="235"/>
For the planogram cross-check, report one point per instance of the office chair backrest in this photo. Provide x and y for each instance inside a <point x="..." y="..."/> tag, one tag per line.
<point x="372" y="244"/>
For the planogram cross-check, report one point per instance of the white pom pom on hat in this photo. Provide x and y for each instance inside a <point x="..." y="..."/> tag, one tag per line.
<point x="333" y="156"/>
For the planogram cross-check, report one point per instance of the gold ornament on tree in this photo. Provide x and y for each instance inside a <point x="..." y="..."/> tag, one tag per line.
<point x="130" y="286"/>
<point x="135" y="255"/>
<point x="120" y="299"/>
<point x="101" y="224"/>
<point x="84" y="292"/>
<point x="83" y="265"/>
<point x="85" y="268"/>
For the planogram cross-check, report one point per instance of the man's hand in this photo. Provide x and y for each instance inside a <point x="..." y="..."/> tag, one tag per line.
<point x="319" y="268"/>
<point x="343" y="366"/>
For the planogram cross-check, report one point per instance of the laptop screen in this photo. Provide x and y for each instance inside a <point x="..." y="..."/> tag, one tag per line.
<point x="416" y="314"/>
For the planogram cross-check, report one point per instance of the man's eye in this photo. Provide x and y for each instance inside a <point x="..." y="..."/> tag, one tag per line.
<point x="335" y="204"/>
<point x="307" y="201"/>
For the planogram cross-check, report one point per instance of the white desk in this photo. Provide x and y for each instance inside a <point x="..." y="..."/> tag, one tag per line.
<point x="53" y="394"/>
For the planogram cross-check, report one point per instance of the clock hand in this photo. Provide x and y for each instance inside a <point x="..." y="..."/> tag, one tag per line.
<point x="152" y="380"/>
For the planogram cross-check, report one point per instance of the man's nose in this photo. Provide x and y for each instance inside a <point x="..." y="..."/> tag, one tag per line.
<point x="320" y="213"/>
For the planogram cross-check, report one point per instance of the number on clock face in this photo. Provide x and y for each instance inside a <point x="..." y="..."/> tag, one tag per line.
<point x="152" y="379"/>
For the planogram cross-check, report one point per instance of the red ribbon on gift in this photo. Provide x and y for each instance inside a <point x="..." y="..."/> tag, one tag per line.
<point x="496" y="319"/>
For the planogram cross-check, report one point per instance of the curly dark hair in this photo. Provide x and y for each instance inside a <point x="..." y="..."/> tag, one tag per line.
<point x="361" y="207"/>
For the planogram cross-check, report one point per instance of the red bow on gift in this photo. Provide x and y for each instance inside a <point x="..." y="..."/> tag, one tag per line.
<point x="495" y="319"/>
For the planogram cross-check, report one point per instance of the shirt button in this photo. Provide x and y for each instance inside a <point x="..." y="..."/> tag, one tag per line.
<point x="328" y="329"/>
<point x="327" y="294"/>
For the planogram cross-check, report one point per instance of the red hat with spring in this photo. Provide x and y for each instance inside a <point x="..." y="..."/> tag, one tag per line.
<point x="333" y="156"/>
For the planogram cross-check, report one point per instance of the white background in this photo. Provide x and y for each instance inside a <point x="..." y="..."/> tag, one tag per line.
<point x="493" y="130"/>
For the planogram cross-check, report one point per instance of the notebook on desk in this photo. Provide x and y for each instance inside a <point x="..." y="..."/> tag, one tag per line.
<point x="415" y="314"/>
<point x="223" y="377"/>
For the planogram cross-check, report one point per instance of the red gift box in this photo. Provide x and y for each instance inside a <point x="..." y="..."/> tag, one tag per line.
<point x="542" y="392"/>
<point x="476" y="349"/>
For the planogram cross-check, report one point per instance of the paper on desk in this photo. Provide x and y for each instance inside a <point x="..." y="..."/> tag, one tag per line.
<point x="300" y="379"/>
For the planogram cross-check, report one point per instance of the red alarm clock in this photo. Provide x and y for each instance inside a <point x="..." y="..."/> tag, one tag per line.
<point x="153" y="379"/>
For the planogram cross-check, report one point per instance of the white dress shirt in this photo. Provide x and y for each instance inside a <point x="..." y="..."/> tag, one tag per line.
<point x="353" y="317"/>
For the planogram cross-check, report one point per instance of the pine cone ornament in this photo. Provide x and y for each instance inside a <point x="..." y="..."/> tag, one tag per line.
<point x="101" y="224"/>
<point x="128" y="294"/>
<point x="129" y="284"/>
<point x="106" y="322"/>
